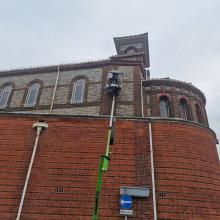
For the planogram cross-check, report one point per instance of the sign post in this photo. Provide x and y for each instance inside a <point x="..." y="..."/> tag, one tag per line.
<point x="126" y="204"/>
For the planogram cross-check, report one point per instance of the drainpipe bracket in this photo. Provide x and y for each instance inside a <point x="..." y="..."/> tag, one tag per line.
<point x="40" y="124"/>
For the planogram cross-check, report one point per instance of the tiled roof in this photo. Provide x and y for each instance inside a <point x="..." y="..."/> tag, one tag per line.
<point x="52" y="66"/>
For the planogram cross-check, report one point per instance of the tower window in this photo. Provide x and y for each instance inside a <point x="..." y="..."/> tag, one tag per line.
<point x="164" y="107"/>
<point x="184" y="109"/>
<point x="78" y="91"/>
<point x="32" y="95"/>
<point x="4" y="96"/>
<point x="131" y="50"/>
<point x="199" y="114"/>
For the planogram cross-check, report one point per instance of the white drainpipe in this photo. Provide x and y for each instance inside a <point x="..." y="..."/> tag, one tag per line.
<point x="152" y="172"/>
<point x="142" y="101"/>
<point x="39" y="126"/>
<point x="55" y="89"/>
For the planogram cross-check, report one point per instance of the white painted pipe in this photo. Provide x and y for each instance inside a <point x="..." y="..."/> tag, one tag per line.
<point x="152" y="172"/>
<point x="55" y="89"/>
<point x="142" y="101"/>
<point x="39" y="126"/>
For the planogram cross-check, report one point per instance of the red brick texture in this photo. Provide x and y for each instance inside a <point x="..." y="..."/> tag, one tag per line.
<point x="63" y="178"/>
<point x="187" y="172"/>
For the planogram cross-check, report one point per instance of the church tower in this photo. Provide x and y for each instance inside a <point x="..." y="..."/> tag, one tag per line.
<point x="132" y="46"/>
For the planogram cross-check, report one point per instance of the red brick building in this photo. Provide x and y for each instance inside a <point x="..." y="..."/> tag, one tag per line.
<point x="162" y="141"/>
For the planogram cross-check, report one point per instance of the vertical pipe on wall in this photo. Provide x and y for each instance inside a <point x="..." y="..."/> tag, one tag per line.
<point x="142" y="102"/>
<point x="39" y="126"/>
<point x="152" y="172"/>
<point x="55" y="89"/>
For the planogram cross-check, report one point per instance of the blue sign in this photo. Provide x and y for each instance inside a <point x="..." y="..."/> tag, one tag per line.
<point x="125" y="202"/>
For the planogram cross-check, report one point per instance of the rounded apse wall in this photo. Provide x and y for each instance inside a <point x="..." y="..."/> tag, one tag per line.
<point x="174" y="99"/>
<point x="187" y="171"/>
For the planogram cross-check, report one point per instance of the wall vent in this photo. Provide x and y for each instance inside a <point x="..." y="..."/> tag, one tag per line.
<point x="59" y="189"/>
<point x="162" y="194"/>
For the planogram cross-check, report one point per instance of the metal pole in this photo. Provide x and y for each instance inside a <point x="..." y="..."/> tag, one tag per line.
<point x="39" y="126"/>
<point x="103" y="164"/>
<point x="126" y="217"/>
<point x="152" y="172"/>
<point x="112" y="111"/>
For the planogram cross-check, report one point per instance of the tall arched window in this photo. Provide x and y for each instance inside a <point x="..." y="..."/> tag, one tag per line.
<point x="184" y="109"/>
<point x="199" y="114"/>
<point x="164" y="107"/>
<point x="4" y="96"/>
<point x="32" y="95"/>
<point x="78" y="91"/>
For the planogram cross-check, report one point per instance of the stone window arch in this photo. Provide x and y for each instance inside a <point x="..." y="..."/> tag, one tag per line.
<point x="78" y="91"/>
<point x="164" y="106"/>
<point x="184" y="109"/>
<point x="199" y="113"/>
<point x="32" y="94"/>
<point x="5" y="95"/>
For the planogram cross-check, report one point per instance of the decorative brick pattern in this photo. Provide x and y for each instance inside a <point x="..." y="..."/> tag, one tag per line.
<point x="62" y="95"/>
<point x="125" y="110"/>
<point x="16" y="99"/>
<point x="90" y="110"/>
<point x="22" y="81"/>
<point x="46" y="96"/>
<point x="175" y="91"/>
<point x="137" y="91"/>
<point x="94" y="91"/>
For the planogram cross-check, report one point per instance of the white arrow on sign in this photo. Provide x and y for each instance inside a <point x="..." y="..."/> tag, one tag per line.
<point x="125" y="201"/>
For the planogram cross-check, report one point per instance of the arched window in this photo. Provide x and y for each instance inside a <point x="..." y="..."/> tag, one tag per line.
<point x="32" y="95"/>
<point x="164" y="107"/>
<point x="78" y="91"/>
<point x="131" y="50"/>
<point x="199" y="114"/>
<point x="4" y="96"/>
<point x="184" y="109"/>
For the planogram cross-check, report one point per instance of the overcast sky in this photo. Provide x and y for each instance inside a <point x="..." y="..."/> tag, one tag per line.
<point x="184" y="37"/>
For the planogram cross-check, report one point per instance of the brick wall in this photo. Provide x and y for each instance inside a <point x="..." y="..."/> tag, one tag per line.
<point x="187" y="172"/>
<point x="62" y="183"/>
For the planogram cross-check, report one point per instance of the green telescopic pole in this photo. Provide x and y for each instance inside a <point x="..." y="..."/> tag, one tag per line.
<point x="103" y="164"/>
